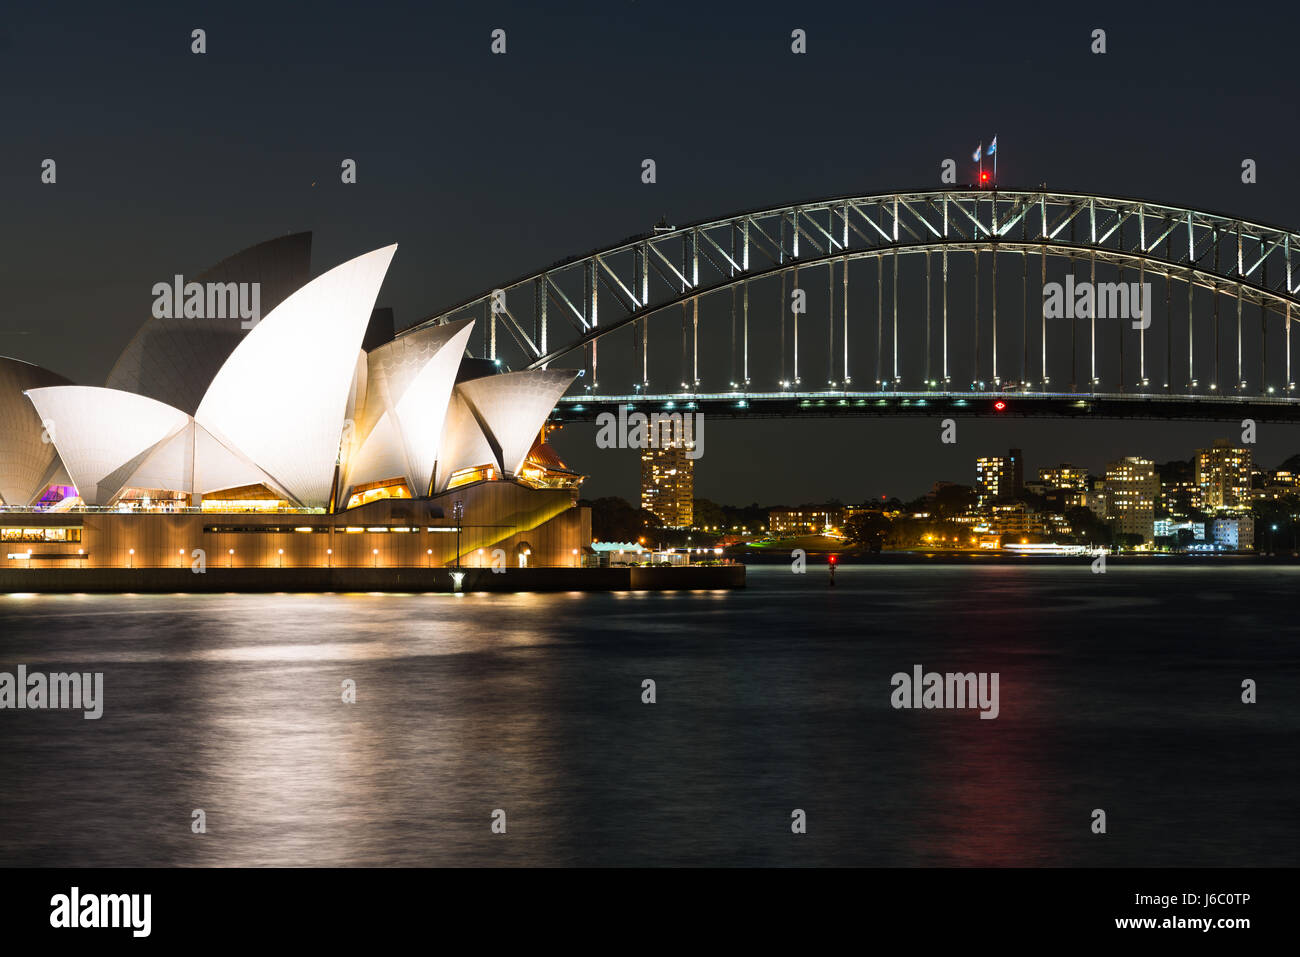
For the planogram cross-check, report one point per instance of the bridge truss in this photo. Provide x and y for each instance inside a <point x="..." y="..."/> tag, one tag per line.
<point x="941" y="343"/>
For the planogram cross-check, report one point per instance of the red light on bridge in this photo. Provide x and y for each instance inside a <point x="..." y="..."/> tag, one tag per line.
<point x="999" y="406"/>
<point x="984" y="177"/>
<point x="833" y="559"/>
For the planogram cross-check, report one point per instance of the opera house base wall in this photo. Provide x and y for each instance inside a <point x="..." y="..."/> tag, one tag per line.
<point x="501" y="523"/>
<point x="223" y="580"/>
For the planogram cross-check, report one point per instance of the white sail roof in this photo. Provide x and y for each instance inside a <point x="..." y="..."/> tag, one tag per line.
<point x="463" y="444"/>
<point x="282" y="396"/>
<point x="174" y="360"/>
<point x="512" y="408"/>
<point x="98" y="431"/>
<point x="110" y="441"/>
<point x="381" y="456"/>
<point x="296" y="397"/>
<point x="408" y="385"/>
<point x="194" y="461"/>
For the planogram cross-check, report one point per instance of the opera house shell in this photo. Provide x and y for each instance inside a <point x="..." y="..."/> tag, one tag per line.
<point x="315" y="411"/>
<point x="28" y="464"/>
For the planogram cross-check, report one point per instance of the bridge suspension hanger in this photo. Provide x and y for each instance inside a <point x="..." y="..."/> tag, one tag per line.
<point x="694" y="262"/>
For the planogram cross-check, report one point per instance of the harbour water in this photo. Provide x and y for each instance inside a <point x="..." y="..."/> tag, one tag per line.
<point x="1120" y="692"/>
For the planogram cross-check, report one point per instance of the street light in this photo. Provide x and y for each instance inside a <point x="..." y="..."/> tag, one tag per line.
<point x="458" y="513"/>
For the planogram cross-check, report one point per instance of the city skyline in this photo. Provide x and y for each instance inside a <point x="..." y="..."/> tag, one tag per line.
<point x="628" y="435"/>
<point x="93" y="244"/>
<point x="606" y="468"/>
<point x="1218" y="460"/>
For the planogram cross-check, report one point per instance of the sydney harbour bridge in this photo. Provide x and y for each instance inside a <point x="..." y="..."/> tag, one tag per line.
<point x="924" y="302"/>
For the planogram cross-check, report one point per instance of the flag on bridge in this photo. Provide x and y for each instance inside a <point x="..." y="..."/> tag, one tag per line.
<point x="993" y="147"/>
<point x="979" y="151"/>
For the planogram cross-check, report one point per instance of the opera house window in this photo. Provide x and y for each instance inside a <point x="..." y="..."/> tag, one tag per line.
<point x="40" y="534"/>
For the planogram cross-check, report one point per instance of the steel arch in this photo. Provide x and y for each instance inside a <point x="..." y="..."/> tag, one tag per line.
<point x="675" y="266"/>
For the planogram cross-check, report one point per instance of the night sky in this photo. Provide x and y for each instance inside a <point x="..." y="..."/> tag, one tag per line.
<point x="486" y="167"/>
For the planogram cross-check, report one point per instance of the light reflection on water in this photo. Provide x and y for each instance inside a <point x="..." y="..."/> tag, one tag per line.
<point x="1118" y="691"/>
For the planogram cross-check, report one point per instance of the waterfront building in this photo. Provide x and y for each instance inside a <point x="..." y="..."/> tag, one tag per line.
<point x="1168" y="528"/>
<point x="1095" y="498"/>
<point x="1014" y="519"/>
<point x="999" y="476"/>
<point x="1180" y="490"/>
<point x="1131" y="488"/>
<point x="668" y="483"/>
<point x="1065" y="477"/>
<point x="1223" y="474"/>
<point x="1275" y="485"/>
<point x="316" y="437"/>
<point x="1235" y="532"/>
<point x="803" y="521"/>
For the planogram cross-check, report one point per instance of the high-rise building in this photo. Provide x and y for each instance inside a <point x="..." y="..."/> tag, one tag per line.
<point x="999" y="476"/>
<point x="1131" y="489"/>
<point x="1223" y="475"/>
<point x="668" y="483"/>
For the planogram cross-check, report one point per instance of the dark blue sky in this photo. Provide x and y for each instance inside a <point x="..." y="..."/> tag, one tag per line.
<point x="485" y="167"/>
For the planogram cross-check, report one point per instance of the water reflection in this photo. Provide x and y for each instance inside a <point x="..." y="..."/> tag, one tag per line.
<point x="768" y="699"/>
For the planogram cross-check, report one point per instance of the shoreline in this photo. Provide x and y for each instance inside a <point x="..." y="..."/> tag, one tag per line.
<point x="263" y="580"/>
<point x="843" y="559"/>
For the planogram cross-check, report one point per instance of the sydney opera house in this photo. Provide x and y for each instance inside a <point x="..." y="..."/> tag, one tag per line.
<point x="315" y="438"/>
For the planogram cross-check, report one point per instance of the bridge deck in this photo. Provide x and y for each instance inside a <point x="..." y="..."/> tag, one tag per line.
<point x="1118" y="405"/>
